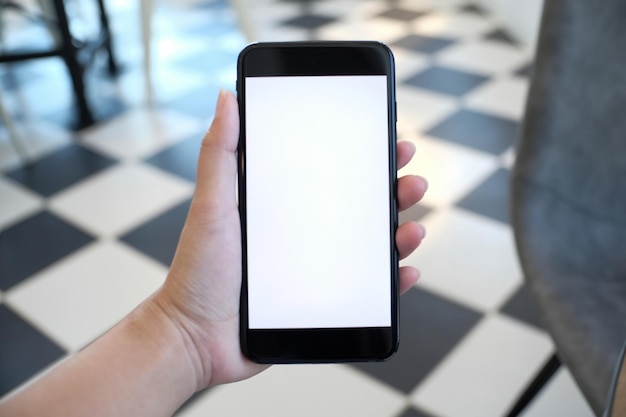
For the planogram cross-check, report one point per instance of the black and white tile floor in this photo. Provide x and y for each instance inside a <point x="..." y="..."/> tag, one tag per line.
<point x="88" y="229"/>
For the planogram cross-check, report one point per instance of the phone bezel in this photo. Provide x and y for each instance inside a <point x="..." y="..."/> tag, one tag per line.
<point x="313" y="58"/>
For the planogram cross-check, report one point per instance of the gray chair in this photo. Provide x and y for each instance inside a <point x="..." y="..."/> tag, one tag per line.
<point x="569" y="187"/>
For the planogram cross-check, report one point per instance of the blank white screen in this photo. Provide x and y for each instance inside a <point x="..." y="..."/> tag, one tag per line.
<point x="317" y="190"/>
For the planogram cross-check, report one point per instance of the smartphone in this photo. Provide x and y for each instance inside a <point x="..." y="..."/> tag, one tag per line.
<point x="317" y="187"/>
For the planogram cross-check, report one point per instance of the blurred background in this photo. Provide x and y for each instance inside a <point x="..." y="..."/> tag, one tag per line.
<point x="97" y="171"/>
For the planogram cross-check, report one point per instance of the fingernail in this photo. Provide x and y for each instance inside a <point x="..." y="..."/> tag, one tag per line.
<point x="425" y="181"/>
<point x="221" y="99"/>
<point x="423" y="229"/>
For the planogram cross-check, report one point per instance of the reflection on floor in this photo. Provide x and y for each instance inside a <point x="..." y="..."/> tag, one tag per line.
<point x="88" y="229"/>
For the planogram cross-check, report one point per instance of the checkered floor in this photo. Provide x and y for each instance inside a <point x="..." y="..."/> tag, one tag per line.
<point x="88" y="229"/>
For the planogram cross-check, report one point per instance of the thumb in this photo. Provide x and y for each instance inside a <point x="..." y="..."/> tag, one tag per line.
<point x="217" y="163"/>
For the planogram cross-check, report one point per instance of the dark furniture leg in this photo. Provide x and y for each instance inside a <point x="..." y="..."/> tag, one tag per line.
<point x="538" y="383"/>
<point x="104" y="22"/>
<point x="70" y="56"/>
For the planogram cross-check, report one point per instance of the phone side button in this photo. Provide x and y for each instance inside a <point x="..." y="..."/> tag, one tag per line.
<point x="395" y="110"/>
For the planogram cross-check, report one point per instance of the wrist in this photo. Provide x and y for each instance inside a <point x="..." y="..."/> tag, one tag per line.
<point x="172" y="332"/>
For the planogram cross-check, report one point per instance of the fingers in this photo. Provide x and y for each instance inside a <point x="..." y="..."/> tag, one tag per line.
<point x="408" y="276"/>
<point x="408" y="237"/>
<point x="217" y="164"/>
<point x="411" y="189"/>
<point x="404" y="152"/>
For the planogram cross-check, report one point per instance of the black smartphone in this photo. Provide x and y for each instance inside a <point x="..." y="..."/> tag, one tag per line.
<point x="317" y="186"/>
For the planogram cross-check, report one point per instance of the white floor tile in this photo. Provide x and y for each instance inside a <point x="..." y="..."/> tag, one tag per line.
<point x="408" y="64"/>
<point x="76" y="300"/>
<point x="381" y="30"/>
<point x="366" y="9"/>
<point x="451" y="170"/>
<point x="301" y="390"/>
<point x="141" y="132"/>
<point x="41" y="138"/>
<point x="452" y="25"/>
<point x="468" y="258"/>
<point x="269" y="13"/>
<point x="9" y="156"/>
<point x="483" y="374"/>
<point x="343" y="9"/>
<point x="16" y="203"/>
<point x="502" y="97"/>
<point x="419" y="109"/>
<point x="282" y="34"/>
<point x="507" y="159"/>
<point x="266" y="16"/>
<point x="560" y="397"/>
<point x="429" y="5"/>
<point x="483" y="56"/>
<point x="37" y="140"/>
<point x="120" y="198"/>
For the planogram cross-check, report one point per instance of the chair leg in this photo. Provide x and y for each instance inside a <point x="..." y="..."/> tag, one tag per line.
<point x="104" y="22"/>
<point x="541" y="379"/>
<point x="73" y="66"/>
<point x="146" y="7"/>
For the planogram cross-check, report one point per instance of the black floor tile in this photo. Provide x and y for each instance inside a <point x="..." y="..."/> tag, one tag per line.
<point x="501" y="35"/>
<point x="472" y="8"/>
<point x="446" y="80"/>
<point x="414" y="214"/>
<point x="521" y="306"/>
<point x="412" y="412"/>
<point x="430" y="326"/>
<point x="60" y="169"/>
<point x="423" y="44"/>
<point x="180" y="159"/>
<point x="24" y="350"/>
<point x="400" y="14"/>
<point x="309" y="21"/>
<point x="158" y="237"/>
<point x="477" y="130"/>
<point x="525" y="71"/>
<point x="491" y="197"/>
<point x="35" y="243"/>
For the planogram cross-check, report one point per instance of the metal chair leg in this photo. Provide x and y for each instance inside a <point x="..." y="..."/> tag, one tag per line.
<point x="147" y="8"/>
<point x="541" y="379"/>
<point x="73" y="66"/>
<point x="108" y="43"/>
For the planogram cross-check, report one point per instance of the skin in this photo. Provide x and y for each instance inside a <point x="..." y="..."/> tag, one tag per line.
<point x="185" y="337"/>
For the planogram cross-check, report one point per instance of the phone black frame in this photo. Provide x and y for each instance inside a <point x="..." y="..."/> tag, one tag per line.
<point x="311" y="58"/>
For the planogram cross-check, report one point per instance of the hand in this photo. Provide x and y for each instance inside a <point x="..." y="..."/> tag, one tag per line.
<point x="201" y="293"/>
